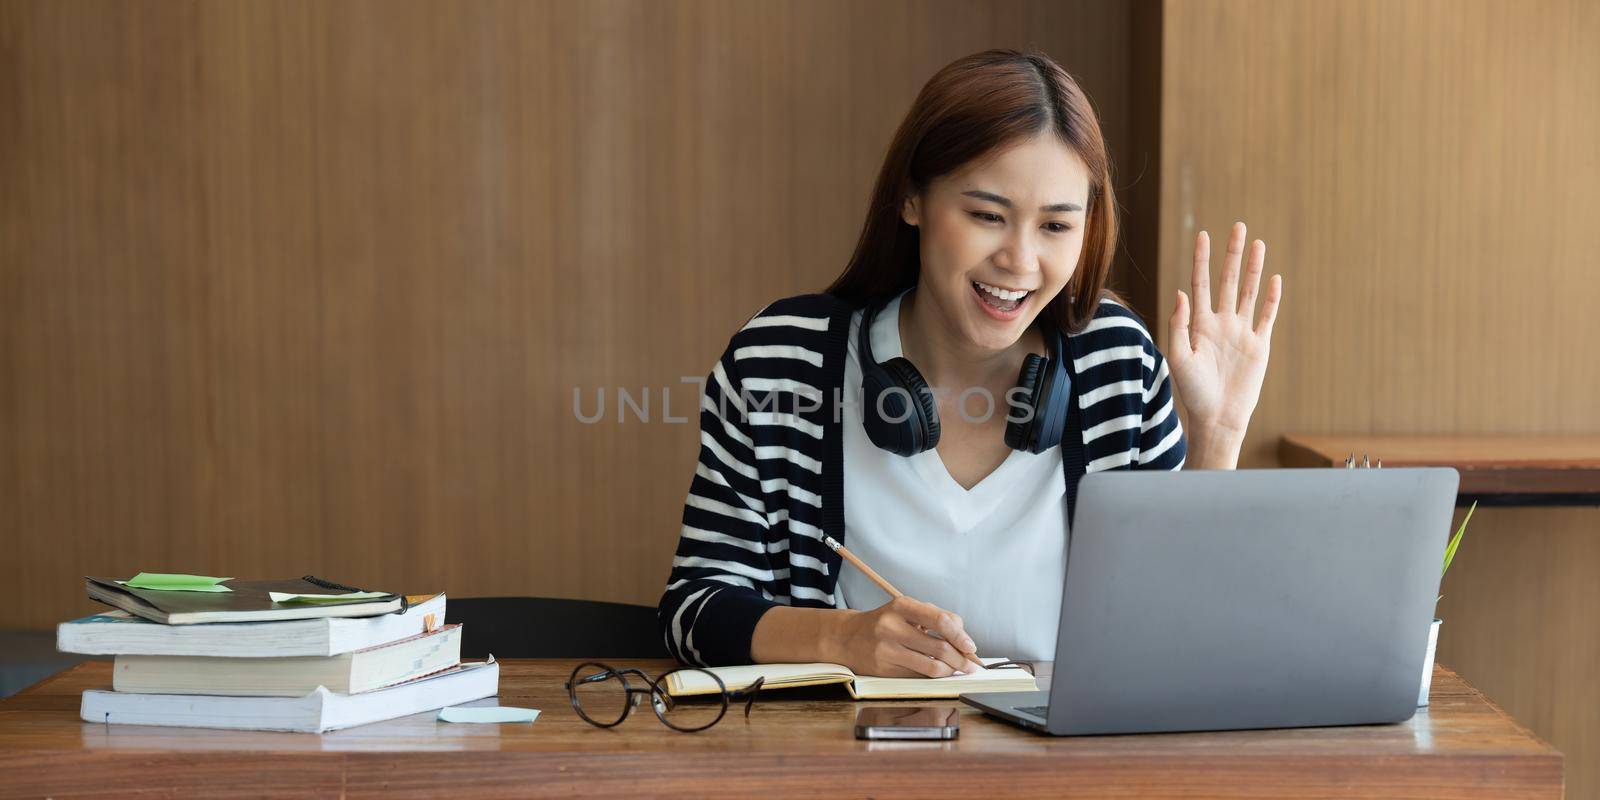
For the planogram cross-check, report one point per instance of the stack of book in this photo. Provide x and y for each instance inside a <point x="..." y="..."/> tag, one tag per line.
<point x="297" y="655"/>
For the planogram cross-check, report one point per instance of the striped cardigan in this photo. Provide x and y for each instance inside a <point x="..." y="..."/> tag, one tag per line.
<point x="770" y="479"/>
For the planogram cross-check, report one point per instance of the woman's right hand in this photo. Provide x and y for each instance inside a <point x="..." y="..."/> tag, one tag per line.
<point x="896" y="640"/>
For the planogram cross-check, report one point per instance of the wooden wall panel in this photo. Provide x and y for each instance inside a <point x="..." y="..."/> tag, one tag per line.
<point x="1519" y="612"/>
<point x="1426" y="177"/>
<point x="306" y="287"/>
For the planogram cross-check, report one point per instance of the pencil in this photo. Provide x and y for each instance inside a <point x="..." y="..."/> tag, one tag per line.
<point x="862" y="565"/>
<point x="882" y="582"/>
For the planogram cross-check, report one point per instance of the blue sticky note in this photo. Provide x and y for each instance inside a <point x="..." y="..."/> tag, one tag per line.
<point x="488" y="714"/>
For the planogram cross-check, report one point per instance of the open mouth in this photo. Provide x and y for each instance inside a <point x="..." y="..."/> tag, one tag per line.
<point x="1004" y="301"/>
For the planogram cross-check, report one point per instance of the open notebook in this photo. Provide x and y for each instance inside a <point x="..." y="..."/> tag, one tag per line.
<point x="861" y="687"/>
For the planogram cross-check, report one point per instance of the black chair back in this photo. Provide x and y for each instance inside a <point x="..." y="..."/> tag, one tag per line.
<point x="547" y="627"/>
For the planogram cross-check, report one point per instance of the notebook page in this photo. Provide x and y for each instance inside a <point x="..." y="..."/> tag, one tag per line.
<point x="777" y="676"/>
<point x="1005" y="679"/>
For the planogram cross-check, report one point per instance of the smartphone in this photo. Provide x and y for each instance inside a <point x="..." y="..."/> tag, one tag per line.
<point x="908" y="722"/>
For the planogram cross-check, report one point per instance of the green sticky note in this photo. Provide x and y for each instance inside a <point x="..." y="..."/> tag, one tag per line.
<point x="488" y="714"/>
<point x="171" y="582"/>
<point x="287" y="597"/>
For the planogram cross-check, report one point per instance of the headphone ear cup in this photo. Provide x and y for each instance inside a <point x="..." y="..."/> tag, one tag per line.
<point x="925" y="412"/>
<point x="1054" y="397"/>
<point x="908" y="422"/>
<point x="1019" y="433"/>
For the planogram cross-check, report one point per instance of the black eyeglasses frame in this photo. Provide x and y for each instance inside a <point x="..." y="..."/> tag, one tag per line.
<point x="660" y="701"/>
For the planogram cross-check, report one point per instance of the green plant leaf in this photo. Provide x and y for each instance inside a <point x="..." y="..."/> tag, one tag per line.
<point x="1455" y="541"/>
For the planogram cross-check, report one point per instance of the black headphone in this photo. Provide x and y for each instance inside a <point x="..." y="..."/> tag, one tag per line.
<point x="908" y="430"/>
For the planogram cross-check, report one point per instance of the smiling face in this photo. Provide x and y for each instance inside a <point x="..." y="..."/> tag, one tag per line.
<point x="1000" y="239"/>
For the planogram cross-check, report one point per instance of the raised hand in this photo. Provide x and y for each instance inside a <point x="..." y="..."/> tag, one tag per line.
<point x="1219" y="358"/>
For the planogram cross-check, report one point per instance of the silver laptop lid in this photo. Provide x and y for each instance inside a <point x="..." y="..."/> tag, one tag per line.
<point x="1210" y="600"/>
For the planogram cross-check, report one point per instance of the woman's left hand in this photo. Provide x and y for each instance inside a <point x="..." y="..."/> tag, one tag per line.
<point x="1219" y="358"/>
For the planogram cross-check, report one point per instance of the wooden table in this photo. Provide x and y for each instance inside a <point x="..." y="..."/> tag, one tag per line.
<point x="1495" y="470"/>
<point x="796" y="742"/>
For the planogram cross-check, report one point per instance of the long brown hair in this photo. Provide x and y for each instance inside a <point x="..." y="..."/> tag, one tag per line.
<point x="970" y="109"/>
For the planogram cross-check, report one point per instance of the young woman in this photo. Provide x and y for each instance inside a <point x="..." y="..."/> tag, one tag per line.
<point x="980" y="279"/>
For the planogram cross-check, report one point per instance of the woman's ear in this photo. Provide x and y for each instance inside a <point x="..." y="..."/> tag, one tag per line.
<point x="911" y="210"/>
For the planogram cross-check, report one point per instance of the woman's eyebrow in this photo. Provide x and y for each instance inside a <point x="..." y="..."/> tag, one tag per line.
<point x="994" y="198"/>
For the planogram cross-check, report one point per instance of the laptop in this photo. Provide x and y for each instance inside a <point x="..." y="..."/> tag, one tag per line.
<point x="1222" y="600"/>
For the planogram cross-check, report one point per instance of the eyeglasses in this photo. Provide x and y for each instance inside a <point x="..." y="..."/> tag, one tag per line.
<point x="603" y="697"/>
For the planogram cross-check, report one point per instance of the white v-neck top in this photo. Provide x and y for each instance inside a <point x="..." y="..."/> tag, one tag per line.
<point x="994" y="554"/>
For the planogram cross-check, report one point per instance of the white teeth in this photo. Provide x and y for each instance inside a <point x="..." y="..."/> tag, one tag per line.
<point x="1003" y="294"/>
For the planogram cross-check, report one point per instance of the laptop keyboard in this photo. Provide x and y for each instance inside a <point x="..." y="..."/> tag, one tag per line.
<point x="1038" y="711"/>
